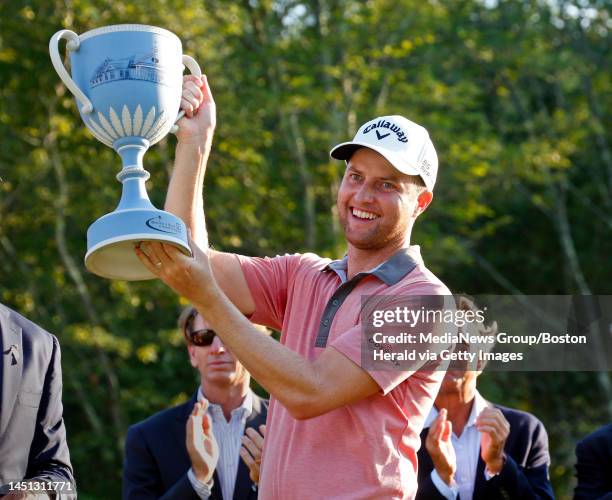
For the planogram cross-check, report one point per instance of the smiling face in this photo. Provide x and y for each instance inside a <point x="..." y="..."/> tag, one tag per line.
<point x="215" y="363"/>
<point x="377" y="204"/>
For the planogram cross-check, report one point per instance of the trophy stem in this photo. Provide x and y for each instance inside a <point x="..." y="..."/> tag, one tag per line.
<point x="133" y="176"/>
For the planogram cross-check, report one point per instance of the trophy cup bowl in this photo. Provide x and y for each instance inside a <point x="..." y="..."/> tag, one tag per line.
<point x="127" y="82"/>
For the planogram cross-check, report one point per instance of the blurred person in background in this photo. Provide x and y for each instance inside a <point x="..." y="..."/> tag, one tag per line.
<point x="34" y="454"/>
<point x="594" y="466"/>
<point x="164" y="456"/>
<point x="473" y="449"/>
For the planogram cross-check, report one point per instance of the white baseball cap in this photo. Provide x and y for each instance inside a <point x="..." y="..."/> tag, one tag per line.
<point x="405" y="144"/>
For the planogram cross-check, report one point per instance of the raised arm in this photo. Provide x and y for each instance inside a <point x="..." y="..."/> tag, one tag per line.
<point x="299" y="384"/>
<point x="185" y="192"/>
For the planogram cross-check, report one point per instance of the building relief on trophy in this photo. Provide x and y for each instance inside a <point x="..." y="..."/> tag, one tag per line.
<point x="144" y="67"/>
<point x="108" y="129"/>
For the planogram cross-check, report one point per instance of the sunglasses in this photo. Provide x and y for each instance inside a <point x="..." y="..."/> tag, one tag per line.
<point x="202" y="337"/>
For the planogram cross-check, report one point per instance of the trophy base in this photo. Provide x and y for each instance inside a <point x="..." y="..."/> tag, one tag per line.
<point x="112" y="238"/>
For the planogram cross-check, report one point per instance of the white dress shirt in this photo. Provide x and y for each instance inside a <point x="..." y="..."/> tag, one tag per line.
<point x="467" y="451"/>
<point x="229" y="438"/>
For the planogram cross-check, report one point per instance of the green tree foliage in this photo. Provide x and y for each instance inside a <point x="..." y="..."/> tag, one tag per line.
<point x="514" y="93"/>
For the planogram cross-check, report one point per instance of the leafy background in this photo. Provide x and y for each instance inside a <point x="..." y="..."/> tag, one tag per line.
<point x="516" y="95"/>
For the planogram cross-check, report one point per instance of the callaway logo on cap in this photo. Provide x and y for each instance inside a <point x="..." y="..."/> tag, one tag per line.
<point x="403" y="143"/>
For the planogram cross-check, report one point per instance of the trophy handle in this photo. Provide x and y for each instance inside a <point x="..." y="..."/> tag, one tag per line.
<point x="191" y="64"/>
<point x="71" y="45"/>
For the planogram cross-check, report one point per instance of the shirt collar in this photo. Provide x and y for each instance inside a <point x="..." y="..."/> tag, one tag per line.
<point x="479" y="404"/>
<point x="339" y="267"/>
<point x="390" y="271"/>
<point x="245" y="407"/>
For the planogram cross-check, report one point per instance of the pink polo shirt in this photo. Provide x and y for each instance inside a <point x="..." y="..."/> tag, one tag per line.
<point x="364" y="450"/>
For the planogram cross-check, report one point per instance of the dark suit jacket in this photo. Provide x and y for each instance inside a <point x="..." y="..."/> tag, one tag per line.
<point x="156" y="459"/>
<point x="594" y="465"/>
<point x="525" y="472"/>
<point x="32" y="434"/>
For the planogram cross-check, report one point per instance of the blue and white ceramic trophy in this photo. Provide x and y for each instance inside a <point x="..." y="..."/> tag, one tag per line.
<point x="127" y="82"/>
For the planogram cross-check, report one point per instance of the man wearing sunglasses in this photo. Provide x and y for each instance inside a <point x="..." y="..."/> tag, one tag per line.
<point x="162" y="456"/>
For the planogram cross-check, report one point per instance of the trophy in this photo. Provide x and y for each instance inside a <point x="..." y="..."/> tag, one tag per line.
<point x="127" y="82"/>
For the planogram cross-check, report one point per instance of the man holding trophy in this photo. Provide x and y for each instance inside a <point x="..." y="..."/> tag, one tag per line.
<point x="319" y="389"/>
<point x="126" y="80"/>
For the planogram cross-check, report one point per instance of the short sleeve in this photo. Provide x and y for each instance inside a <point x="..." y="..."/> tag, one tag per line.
<point x="350" y="344"/>
<point x="268" y="280"/>
<point x="356" y="343"/>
